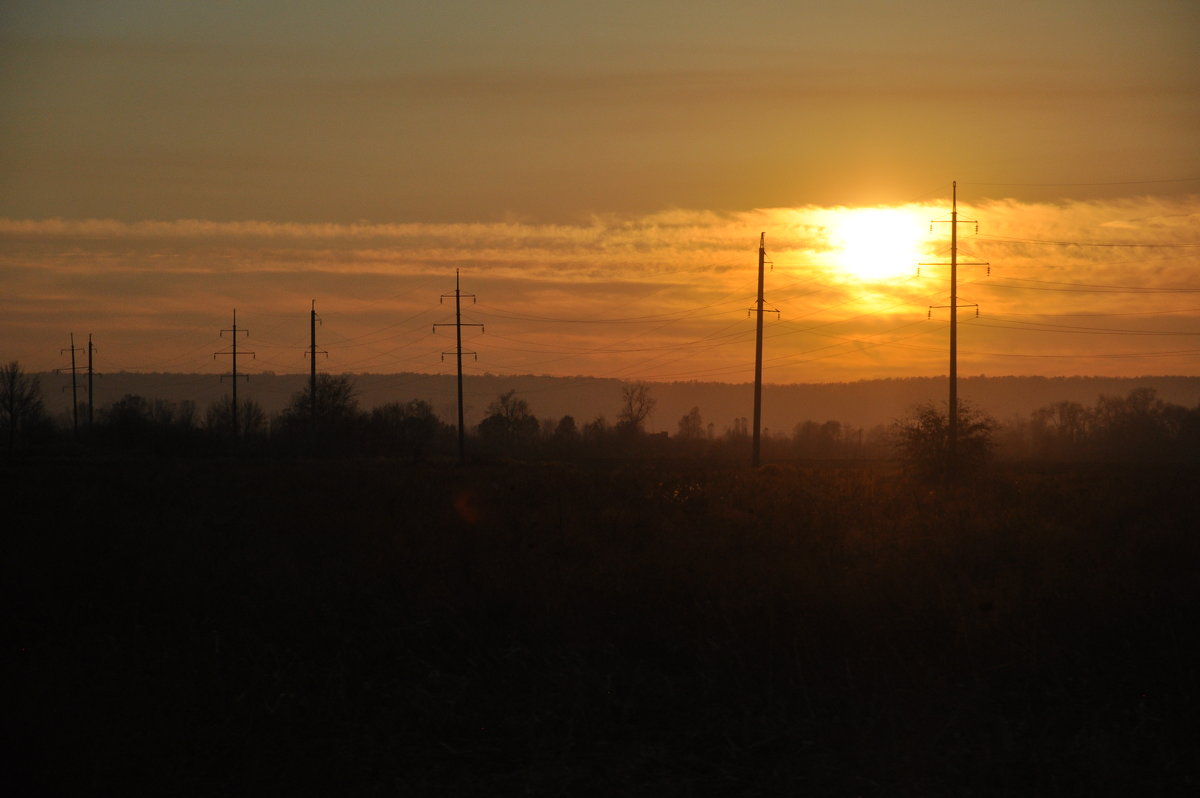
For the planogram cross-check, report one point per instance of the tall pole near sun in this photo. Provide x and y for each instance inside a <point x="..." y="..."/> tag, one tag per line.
<point x="755" y="457"/>
<point x="756" y="447"/>
<point x="952" y="409"/>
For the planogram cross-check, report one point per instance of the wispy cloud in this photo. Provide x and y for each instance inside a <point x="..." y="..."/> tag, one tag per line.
<point x="657" y="296"/>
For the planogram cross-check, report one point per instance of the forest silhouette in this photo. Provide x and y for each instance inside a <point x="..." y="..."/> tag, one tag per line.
<point x="593" y="609"/>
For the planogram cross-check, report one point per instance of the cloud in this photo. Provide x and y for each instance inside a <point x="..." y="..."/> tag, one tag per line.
<point x="655" y="296"/>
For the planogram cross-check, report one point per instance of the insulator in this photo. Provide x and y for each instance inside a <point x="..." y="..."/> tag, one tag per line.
<point x="976" y="311"/>
<point x="929" y="313"/>
<point x="989" y="271"/>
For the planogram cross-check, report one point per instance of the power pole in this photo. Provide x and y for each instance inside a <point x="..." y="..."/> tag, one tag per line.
<point x="91" y="403"/>
<point x="74" y="386"/>
<point x="313" y="321"/>
<point x="458" y="352"/>
<point x="755" y="457"/>
<point x="952" y="449"/>
<point x="233" y="371"/>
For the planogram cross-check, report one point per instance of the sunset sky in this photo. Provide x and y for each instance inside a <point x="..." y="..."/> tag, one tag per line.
<point x="600" y="173"/>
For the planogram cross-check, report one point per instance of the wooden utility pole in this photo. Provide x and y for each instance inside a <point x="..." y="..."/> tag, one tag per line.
<point x="458" y="353"/>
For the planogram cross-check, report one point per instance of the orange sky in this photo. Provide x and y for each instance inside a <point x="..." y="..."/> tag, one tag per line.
<point x="600" y="174"/>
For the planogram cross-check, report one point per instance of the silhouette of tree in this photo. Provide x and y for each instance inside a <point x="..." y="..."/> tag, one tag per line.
<point x="923" y="439"/>
<point x="408" y="427"/>
<point x="252" y="421"/>
<point x="336" y="403"/>
<point x="636" y="406"/>
<point x="21" y="407"/>
<point x="508" y="426"/>
<point x="691" y="426"/>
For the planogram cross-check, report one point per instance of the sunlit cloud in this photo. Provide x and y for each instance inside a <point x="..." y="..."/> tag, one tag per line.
<point x="1101" y="287"/>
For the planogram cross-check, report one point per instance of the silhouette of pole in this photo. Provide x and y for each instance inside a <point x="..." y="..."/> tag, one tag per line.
<point x="74" y="386"/>
<point x="314" y="319"/>
<point x="756" y="444"/>
<point x="91" y="402"/>
<point x="953" y="399"/>
<point x="952" y="442"/>
<point x="755" y="456"/>
<point x="458" y="353"/>
<point x="233" y="370"/>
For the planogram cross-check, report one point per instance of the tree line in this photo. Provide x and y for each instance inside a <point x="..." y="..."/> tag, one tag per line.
<point x="1137" y="427"/>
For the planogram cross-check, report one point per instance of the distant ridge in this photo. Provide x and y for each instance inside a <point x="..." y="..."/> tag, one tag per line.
<point x="864" y="403"/>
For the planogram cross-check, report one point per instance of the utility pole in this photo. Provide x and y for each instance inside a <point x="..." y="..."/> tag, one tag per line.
<point x="91" y="403"/>
<point x="756" y="447"/>
<point x="313" y="321"/>
<point x="233" y="371"/>
<point x="952" y="449"/>
<point x="458" y="352"/>
<point x="74" y="386"/>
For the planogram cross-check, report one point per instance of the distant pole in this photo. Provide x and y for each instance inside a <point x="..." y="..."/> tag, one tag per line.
<point x="755" y="457"/>
<point x="91" y="401"/>
<point x="458" y="352"/>
<point x="313" y="321"/>
<point x="74" y="386"/>
<point x="756" y="446"/>
<point x="952" y="442"/>
<point x="233" y="371"/>
<point x="312" y="363"/>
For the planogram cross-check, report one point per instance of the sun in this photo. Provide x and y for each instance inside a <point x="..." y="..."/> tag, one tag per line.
<point x="876" y="244"/>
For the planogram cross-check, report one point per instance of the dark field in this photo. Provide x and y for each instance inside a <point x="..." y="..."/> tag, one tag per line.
<point x="216" y="627"/>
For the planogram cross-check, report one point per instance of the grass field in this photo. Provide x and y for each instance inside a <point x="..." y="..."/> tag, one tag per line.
<point x="214" y="627"/>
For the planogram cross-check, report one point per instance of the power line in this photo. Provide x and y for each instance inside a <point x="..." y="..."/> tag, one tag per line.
<point x="1089" y="288"/>
<point x="1100" y="183"/>
<point x="1116" y="244"/>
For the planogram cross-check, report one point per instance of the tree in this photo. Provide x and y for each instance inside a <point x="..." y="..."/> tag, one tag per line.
<point x="21" y="405"/>
<point x="135" y="422"/>
<point x="923" y="438"/>
<point x="691" y="426"/>
<point x="508" y="425"/>
<point x="252" y="421"/>
<point x="1061" y="428"/>
<point x="409" y="427"/>
<point x="333" y="408"/>
<point x="636" y="406"/>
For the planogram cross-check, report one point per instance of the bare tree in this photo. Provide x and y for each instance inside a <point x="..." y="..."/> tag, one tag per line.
<point x="508" y="423"/>
<point x="691" y="426"/>
<point x="20" y="401"/>
<point x="636" y="406"/>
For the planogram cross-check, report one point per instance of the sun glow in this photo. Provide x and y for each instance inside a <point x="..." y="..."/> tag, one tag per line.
<point x="873" y="244"/>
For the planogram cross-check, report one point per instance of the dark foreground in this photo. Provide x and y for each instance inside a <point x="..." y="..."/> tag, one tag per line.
<point x="221" y="628"/>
